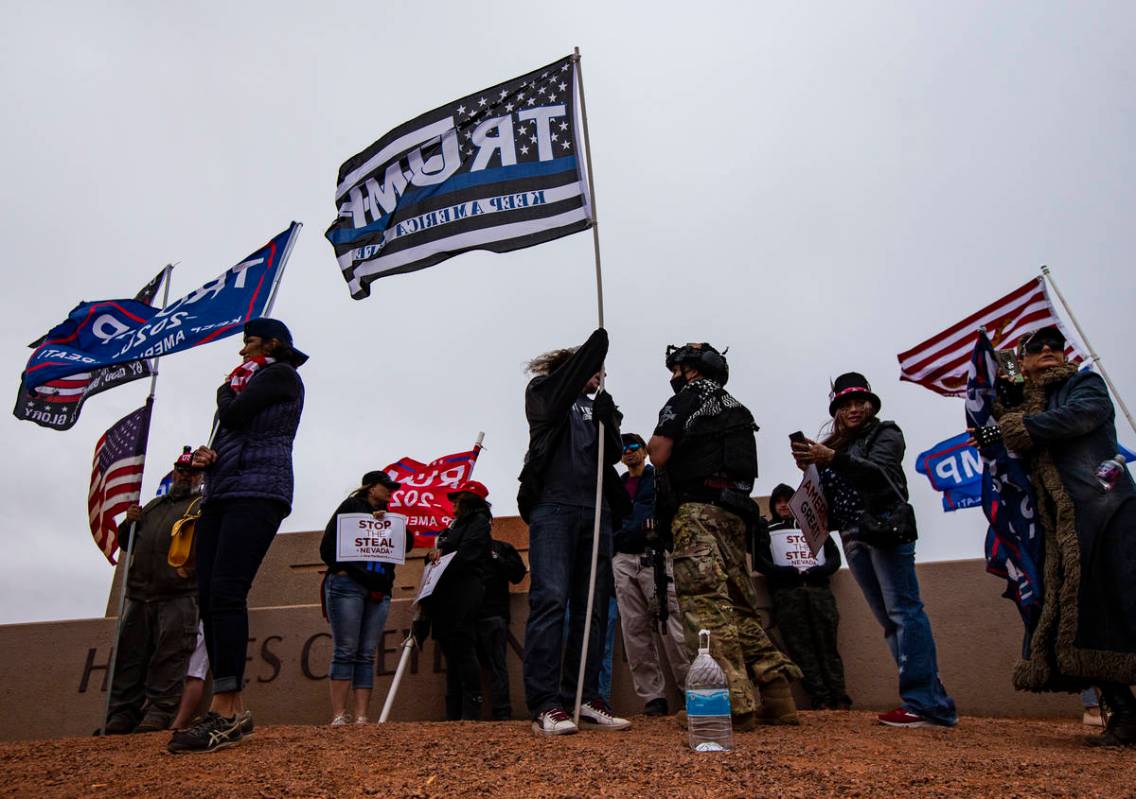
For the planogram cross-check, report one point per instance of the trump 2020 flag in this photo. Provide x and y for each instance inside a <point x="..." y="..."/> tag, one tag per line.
<point x="116" y="476"/>
<point x="497" y="170"/>
<point x="425" y="486"/>
<point x="955" y="470"/>
<point x="109" y="332"/>
<point x="1014" y="545"/>
<point x="56" y="404"/>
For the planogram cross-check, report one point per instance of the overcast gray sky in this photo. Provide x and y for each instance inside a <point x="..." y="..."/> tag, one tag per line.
<point x="818" y="186"/>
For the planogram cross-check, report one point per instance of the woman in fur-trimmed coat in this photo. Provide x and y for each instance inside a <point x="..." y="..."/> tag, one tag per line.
<point x="1064" y="426"/>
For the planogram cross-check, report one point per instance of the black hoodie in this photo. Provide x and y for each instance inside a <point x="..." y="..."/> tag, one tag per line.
<point x="778" y="576"/>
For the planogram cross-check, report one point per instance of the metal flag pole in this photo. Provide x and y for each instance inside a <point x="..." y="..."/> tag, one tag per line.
<point x="600" y="432"/>
<point x="283" y="263"/>
<point x="1093" y="357"/>
<point x="409" y="643"/>
<point x="129" y="558"/>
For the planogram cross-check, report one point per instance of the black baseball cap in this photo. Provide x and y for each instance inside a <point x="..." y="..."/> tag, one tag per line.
<point x="378" y="476"/>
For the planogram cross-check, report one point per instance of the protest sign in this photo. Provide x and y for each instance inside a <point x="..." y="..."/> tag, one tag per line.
<point x="362" y="537"/>
<point x="810" y="510"/>
<point x="431" y="575"/>
<point x="789" y="547"/>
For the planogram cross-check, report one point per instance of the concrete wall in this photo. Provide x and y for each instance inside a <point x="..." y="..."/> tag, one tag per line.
<point x="52" y="681"/>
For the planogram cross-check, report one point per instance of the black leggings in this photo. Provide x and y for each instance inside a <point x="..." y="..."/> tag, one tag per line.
<point x="463" y="673"/>
<point x="233" y="536"/>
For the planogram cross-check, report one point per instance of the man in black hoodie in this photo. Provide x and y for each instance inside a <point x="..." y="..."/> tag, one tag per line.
<point x="803" y="605"/>
<point x="557" y="500"/>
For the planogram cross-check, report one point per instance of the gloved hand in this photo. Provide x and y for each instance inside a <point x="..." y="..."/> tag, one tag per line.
<point x="420" y="629"/>
<point x="987" y="436"/>
<point x="603" y="408"/>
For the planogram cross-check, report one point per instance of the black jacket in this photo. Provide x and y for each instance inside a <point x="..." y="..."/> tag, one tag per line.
<point x="778" y="576"/>
<point x="873" y="457"/>
<point x="506" y="567"/>
<point x="381" y="578"/>
<point x="254" y="439"/>
<point x="548" y="401"/>
<point x="457" y="599"/>
<point x="629" y="537"/>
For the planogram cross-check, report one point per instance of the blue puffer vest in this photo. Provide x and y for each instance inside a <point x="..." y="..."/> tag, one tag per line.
<point x="255" y="462"/>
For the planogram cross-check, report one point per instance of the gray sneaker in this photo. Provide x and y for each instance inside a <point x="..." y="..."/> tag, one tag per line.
<point x="247" y="727"/>
<point x="211" y="733"/>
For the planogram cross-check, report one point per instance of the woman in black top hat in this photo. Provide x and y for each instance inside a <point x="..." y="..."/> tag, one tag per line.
<point x="357" y="598"/>
<point x="861" y="463"/>
<point x="248" y="492"/>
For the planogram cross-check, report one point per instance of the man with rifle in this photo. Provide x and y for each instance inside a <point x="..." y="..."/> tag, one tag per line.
<point x="644" y="587"/>
<point x="705" y="452"/>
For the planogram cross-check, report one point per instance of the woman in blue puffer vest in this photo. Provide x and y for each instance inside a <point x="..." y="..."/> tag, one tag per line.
<point x="248" y="492"/>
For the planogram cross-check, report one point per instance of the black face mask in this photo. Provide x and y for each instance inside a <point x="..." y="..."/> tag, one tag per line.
<point x="678" y="383"/>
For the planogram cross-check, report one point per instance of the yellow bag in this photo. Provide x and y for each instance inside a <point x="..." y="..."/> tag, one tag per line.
<point x="181" y="535"/>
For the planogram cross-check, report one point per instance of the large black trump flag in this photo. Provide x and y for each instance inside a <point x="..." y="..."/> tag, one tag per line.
<point x="498" y="170"/>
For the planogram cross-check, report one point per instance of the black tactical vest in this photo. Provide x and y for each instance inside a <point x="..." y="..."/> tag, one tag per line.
<point x="717" y="446"/>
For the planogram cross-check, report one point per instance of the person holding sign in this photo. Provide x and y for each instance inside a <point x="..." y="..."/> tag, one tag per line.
<point x="248" y="493"/>
<point x="861" y="469"/>
<point x="453" y="606"/>
<point x="803" y="605"/>
<point x="357" y="597"/>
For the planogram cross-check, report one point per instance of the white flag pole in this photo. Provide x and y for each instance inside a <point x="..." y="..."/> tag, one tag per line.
<point x="1094" y="359"/>
<point x="409" y="643"/>
<point x="600" y="432"/>
<point x="129" y="558"/>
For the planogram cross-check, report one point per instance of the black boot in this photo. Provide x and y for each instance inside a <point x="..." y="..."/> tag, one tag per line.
<point x="453" y="707"/>
<point x="471" y="707"/>
<point x="1121" y="728"/>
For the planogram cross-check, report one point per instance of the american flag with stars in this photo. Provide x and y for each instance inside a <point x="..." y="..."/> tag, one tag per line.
<point x="498" y="170"/>
<point x="116" y="476"/>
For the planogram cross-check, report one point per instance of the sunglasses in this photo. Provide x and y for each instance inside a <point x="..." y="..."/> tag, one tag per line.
<point x="1036" y="345"/>
<point x="632" y="447"/>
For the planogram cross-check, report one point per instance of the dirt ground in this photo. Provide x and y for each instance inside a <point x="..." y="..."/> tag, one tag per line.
<point x="830" y="754"/>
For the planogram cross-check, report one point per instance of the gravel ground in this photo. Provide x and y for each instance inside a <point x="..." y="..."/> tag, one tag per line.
<point x="830" y="754"/>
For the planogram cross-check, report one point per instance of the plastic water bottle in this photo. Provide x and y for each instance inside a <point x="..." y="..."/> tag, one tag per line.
<point x="708" y="702"/>
<point x="1109" y="471"/>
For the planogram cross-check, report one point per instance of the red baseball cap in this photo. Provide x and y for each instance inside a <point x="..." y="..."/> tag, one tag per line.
<point x="470" y="487"/>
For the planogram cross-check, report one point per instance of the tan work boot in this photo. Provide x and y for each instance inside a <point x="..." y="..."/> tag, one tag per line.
<point x="777" y="705"/>
<point x="745" y="722"/>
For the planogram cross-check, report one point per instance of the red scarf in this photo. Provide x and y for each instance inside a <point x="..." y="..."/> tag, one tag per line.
<point x="239" y="377"/>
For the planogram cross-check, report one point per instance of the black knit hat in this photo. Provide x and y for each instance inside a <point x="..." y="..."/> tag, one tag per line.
<point x="849" y="384"/>
<point x="273" y="328"/>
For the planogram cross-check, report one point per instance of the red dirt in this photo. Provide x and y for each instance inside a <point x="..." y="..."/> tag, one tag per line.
<point x="830" y="754"/>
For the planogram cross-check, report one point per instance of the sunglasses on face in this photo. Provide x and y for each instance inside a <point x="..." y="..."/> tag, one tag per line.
<point x="1036" y="345"/>
<point x="632" y="447"/>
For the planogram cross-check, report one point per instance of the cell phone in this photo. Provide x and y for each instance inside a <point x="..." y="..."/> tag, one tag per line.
<point x="798" y="438"/>
<point x="1008" y="360"/>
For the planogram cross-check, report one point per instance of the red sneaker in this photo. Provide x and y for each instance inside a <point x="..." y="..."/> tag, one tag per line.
<point x="901" y="717"/>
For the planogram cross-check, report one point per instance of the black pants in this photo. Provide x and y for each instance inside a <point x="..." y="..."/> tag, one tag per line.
<point x="463" y="674"/>
<point x="807" y="619"/>
<point x="233" y="536"/>
<point x="492" y="650"/>
<point x="154" y="647"/>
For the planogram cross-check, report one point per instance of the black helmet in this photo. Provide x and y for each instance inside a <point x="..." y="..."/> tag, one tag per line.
<point x="700" y="356"/>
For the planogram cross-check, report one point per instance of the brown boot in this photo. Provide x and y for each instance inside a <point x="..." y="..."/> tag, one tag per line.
<point x="745" y="722"/>
<point x="777" y="706"/>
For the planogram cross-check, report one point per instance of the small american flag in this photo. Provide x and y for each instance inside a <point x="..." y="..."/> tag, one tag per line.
<point x="941" y="362"/>
<point x="116" y="476"/>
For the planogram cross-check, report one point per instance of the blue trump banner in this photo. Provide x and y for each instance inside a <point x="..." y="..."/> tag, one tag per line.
<point x="954" y="469"/>
<point x="498" y="170"/>
<point x="108" y="332"/>
<point x="1014" y="546"/>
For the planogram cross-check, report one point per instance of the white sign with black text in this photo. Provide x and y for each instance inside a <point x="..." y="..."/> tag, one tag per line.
<point x="811" y="510"/>
<point x="431" y="575"/>
<point x="362" y="537"/>
<point x="789" y="547"/>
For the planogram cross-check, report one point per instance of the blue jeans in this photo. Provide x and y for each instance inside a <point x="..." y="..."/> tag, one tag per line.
<point x="609" y="645"/>
<point x="560" y="557"/>
<point x="887" y="578"/>
<point x="356" y="621"/>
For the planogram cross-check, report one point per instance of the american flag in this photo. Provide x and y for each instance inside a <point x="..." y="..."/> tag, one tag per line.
<point x="56" y="404"/>
<point x="941" y="362"/>
<point x="116" y="476"/>
<point x="497" y="170"/>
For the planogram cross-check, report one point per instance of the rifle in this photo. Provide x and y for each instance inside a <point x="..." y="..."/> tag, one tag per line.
<point x="656" y="557"/>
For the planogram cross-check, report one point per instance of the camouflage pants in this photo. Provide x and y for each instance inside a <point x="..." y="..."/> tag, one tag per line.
<point x="807" y="619"/>
<point x="716" y="593"/>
